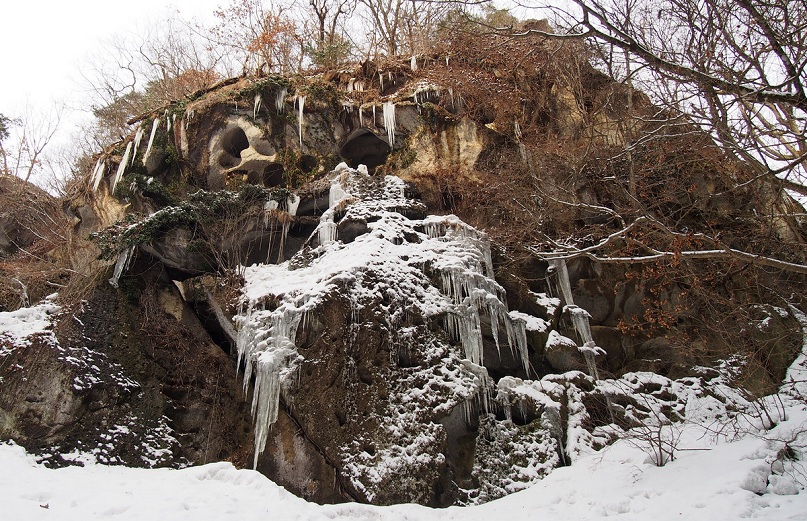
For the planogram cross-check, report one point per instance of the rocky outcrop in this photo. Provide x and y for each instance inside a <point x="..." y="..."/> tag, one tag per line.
<point x="122" y="384"/>
<point x="391" y="320"/>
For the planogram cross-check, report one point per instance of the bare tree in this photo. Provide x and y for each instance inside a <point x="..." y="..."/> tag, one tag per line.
<point x="403" y="27"/>
<point x="23" y="141"/>
<point x="738" y="69"/>
<point x="328" y="14"/>
<point x="265" y="38"/>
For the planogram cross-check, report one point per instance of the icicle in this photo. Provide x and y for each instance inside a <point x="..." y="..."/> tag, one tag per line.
<point x="389" y="122"/>
<point x="257" y="106"/>
<point x="121" y="168"/>
<point x="359" y="86"/>
<point x="268" y="207"/>
<point x="413" y="63"/>
<point x="97" y="173"/>
<point x="138" y="137"/>
<point x="446" y="60"/>
<point x="280" y="100"/>
<point x="300" y="104"/>
<point x="121" y="264"/>
<point x="381" y="81"/>
<point x="580" y="319"/>
<point x="361" y="122"/>
<point x="270" y="353"/>
<point x="351" y="84"/>
<point x="451" y="94"/>
<point x="154" y="126"/>
<point x="292" y="203"/>
<point x="373" y="114"/>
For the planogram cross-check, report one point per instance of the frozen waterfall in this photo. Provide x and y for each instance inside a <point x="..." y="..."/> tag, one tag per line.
<point x="437" y="268"/>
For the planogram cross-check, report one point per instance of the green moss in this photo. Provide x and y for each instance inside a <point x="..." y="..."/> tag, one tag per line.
<point x="201" y="207"/>
<point x="317" y="91"/>
<point x="262" y="86"/>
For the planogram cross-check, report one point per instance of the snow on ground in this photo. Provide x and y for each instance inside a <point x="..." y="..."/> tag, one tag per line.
<point x="17" y="326"/>
<point x="618" y="482"/>
<point x="712" y="478"/>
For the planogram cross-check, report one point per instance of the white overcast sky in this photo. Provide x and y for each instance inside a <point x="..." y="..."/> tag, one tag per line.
<point x="45" y="43"/>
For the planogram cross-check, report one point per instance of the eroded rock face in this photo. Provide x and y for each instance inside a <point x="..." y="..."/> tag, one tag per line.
<point x="374" y="337"/>
<point x="109" y="384"/>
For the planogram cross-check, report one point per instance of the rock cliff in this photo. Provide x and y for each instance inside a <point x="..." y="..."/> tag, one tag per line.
<point x="375" y="261"/>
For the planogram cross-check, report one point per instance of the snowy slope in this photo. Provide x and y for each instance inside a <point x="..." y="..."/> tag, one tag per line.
<point x="618" y="482"/>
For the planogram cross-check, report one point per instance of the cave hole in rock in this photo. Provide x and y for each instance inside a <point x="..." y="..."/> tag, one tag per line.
<point x="307" y="163"/>
<point x="362" y="147"/>
<point x="368" y="448"/>
<point x="234" y="141"/>
<point x="341" y="417"/>
<point x="273" y="174"/>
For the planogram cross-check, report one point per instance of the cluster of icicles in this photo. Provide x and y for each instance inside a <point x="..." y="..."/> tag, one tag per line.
<point x="580" y="319"/>
<point x="266" y="337"/>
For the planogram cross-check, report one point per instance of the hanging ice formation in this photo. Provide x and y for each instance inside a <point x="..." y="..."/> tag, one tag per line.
<point x="280" y="100"/>
<point x="300" y="104"/>
<point x="137" y="139"/>
<point x="389" y="122"/>
<point x="381" y="81"/>
<point x="413" y="63"/>
<point x="121" y="264"/>
<point x="361" y="122"/>
<point x="474" y="292"/>
<point x="265" y="343"/>
<point x="121" y="168"/>
<point x="327" y="227"/>
<point x="457" y="256"/>
<point x="98" y="173"/>
<point x="154" y="126"/>
<point x="257" y="106"/>
<point x="580" y="319"/>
